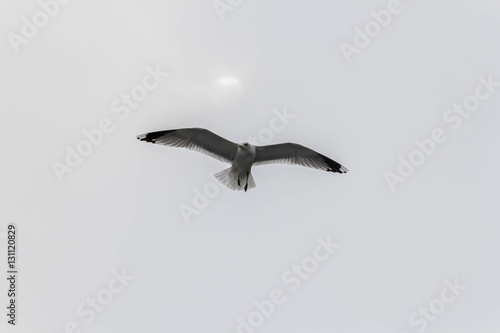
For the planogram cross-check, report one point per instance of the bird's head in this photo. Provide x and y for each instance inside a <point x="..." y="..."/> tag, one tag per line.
<point x="246" y="149"/>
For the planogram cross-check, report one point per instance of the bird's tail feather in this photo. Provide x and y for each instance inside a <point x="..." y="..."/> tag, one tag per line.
<point x="229" y="178"/>
<point x="251" y="181"/>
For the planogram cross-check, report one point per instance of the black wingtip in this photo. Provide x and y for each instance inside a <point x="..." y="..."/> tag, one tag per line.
<point x="342" y="169"/>
<point x="151" y="137"/>
<point x="334" y="166"/>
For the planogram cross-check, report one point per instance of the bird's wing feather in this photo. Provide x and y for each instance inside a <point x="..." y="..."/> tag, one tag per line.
<point x="197" y="139"/>
<point x="293" y="153"/>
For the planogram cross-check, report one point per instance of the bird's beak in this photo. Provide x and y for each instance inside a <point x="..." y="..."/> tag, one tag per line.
<point x="240" y="146"/>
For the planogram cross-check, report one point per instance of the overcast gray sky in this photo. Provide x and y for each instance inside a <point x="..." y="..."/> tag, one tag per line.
<point x="117" y="235"/>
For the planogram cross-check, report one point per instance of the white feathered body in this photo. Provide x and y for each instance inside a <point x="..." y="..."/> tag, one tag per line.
<point x="239" y="175"/>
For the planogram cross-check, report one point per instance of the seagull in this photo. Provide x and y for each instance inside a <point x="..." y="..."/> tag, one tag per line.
<point x="241" y="156"/>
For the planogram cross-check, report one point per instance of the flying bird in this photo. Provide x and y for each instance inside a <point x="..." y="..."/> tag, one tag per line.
<point x="241" y="156"/>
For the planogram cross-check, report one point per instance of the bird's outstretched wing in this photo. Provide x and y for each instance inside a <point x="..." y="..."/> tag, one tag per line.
<point x="197" y="139"/>
<point x="293" y="153"/>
